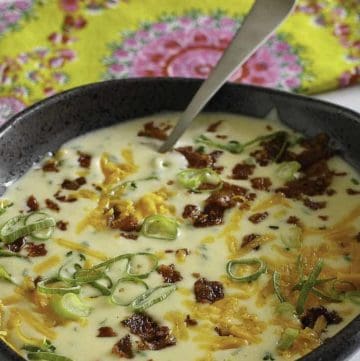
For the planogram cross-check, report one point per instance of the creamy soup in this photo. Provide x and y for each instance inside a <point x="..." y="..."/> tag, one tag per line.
<point x="243" y="243"/>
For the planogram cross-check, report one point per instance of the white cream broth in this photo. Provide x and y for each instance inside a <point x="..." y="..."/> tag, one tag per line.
<point x="254" y="329"/>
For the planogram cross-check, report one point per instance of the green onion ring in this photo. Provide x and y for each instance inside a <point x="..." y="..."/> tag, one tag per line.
<point x="42" y="235"/>
<point x="111" y="261"/>
<point x="308" y="285"/>
<point x="4" y="253"/>
<point x="83" y="276"/>
<point x="47" y="356"/>
<point x="151" y="256"/>
<point x="42" y="287"/>
<point x="69" y="306"/>
<point x="353" y="296"/>
<point x="277" y="288"/>
<point x="249" y="261"/>
<point x="149" y="298"/>
<point x="287" y="338"/>
<point x="116" y="299"/>
<point x="160" y="227"/>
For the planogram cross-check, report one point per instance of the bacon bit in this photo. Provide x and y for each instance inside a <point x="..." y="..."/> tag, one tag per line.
<point x="152" y="131"/>
<point x="84" y="159"/>
<point x="221" y="332"/>
<point x="133" y="236"/>
<point x="169" y="251"/>
<point x="248" y="239"/>
<point x="294" y="220"/>
<point x="65" y="199"/>
<point x="258" y="217"/>
<point x="315" y="181"/>
<point x="271" y="150"/>
<point x="196" y="275"/>
<point x="190" y="322"/>
<point x="50" y="166"/>
<point x="242" y="171"/>
<point x="36" y="250"/>
<point x="261" y="183"/>
<point x="208" y="291"/>
<point x="123" y="348"/>
<point x="312" y="314"/>
<point x="62" y="225"/>
<point x="357" y="237"/>
<point x="269" y="127"/>
<point x="170" y="182"/>
<point x="106" y="332"/>
<point x="340" y="174"/>
<point x="324" y="218"/>
<point x="200" y="160"/>
<point x="313" y="205"/>
<point x="17" y="245"/>
<point x="191" y="211"/>
<point x="330" y="192"/>
<point x="126" y="224"/>
<point x="153" y="336"/>
<point x="221" y="136"/>
<point x="37" y="280"/>
<point x="352" y="192"/>
<point x="169" y="274"/>
<point x="73" y="185"/>
<point x="213" y="127"/>
<point x="32" y="203"/>
<point x="52" y="205"/>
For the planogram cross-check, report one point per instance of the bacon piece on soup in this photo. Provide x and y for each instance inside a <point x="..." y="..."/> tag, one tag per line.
<point x="123" y="348"/>
<point x="208" y="291"/>
<point x="169" y="273"/>
<point x="154" y="131"/>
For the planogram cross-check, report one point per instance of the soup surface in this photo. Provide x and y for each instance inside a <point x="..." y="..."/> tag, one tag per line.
<point x="243" y="243"/>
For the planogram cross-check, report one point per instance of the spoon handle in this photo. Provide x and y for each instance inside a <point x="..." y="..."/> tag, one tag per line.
<point x="264" y="17"/>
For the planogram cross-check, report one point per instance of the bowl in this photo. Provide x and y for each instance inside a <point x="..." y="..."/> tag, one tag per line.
<point x="45" y="126"/>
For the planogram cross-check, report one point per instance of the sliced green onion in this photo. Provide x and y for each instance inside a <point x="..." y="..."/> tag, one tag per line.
<point x="83" y="276"/>
<point x="4" y="253"/>
<point x="46" y="356"/>
<point x="104" y="289"/>
<point x="291" y="237"/>
<point x="152" y="296"/>
<point x="16" y="228"/>
<point x="111" y="261"/>
<point x="353" y="296"/>
<point x="4" y="205"/>
<point x="287" y="170"/>
<point x="325" y="296"/>
<point x="36" y="217"/>
<point x="5" y="275"/>
<point x="249" y="261"/>
<point x="287" y="338"/>
<point x="43" y="288"/>
<point x="277" y="287"/>
<point x="70" y="306"/>
<point x="129" y="186"/>
<point x="160" y="227"/>
<point x="67" y="271"/>
<point x="127" y="289"/>
<point x="232" y="146"/>
<point x="194" y="179"/>
<point x="308" y="285"/>
<point x="141" y="264"/>
<point x="285" y="308"/>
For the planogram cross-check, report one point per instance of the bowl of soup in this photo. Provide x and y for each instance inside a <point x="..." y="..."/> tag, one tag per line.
<point x="241" y="243"/>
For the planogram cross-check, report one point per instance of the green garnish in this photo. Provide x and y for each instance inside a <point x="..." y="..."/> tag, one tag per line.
<point x="287" y="338"/>
<point x="37" y="224"/>
<point x="285" y="308"/>
<point x="355" y="181"/>
<point x="42" y="287"/>
<point x="47" y="356"/>
<point x="193" y="179"/>
<point x="4" y="205"/>
<point x="287" y="170"/>
<point x="307" y="286"/>
<point x="152" y="296"/>
<point x="127" y="289"/>
<point x="84" y="276"/>
<point x="5" y="275"/>
<point x="250" y="261"/>
<point x="353" y="296"/>
<point x="277" y="288"/>
<point x="4" y="253"/>
<point x="291" y="237"/>
<point x="160" y="227"/>
<point x="69" y="306"/>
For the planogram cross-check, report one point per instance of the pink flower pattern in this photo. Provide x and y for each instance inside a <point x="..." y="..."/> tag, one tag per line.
<point x="9" y="106"/>
<point x="190" y="46"/>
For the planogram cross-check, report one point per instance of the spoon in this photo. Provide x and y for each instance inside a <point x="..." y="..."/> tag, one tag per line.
<point x="264" y="17"/>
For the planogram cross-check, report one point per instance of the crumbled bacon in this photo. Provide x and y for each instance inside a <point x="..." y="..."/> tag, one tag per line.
<point x="17" y="245"/>
<point x="357" y="237"/>
<point x="200" y="160"/>
<point x="84" y="160"/>
<point x="62" y="225"/>
<point x="153" y="336"/>
<point x="190" y="322"/>
<point x="313" y="205"/>
<point x="208" y="291"/>
<point x="294" y="220"/>
<point x="129" y="235"/>
<point x="32" y="203"/>
<point x="196" y="274"/>
<point x="169" y="273"/>
<point x="258" y="217"/>
<point x="242" y="171"/>
<point x="123" y="348"/>
<point x="66" y="199"/>
<point x="312" y="314"/>
<point x="52" y="205"/>
<point x="249" y="240"/>
<point x="261" y="183"/>
<point x="106" y="331"/>
<point x="36" y="250"/>
<point x="73" y="185"/>
<point x="50" y="166"/>
<point x="191" y="211"/>
<point x="126" y="224"/>
<point x="352" y="192"/>
<point x="324" y="218"/>
<point x="152" y="131"/>
<point x="214" y="126"/>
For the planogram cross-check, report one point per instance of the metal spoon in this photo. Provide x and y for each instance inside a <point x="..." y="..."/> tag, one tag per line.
<point x="264" y="17"/>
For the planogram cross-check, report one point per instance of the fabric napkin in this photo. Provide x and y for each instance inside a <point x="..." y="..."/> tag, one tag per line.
<point x="47" y="46"/>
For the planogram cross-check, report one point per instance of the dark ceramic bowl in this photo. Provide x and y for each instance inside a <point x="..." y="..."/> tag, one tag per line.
<point x="47" y="125"/>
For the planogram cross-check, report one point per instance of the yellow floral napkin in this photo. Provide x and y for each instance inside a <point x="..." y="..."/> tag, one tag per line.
<point x="47" y="46"/>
